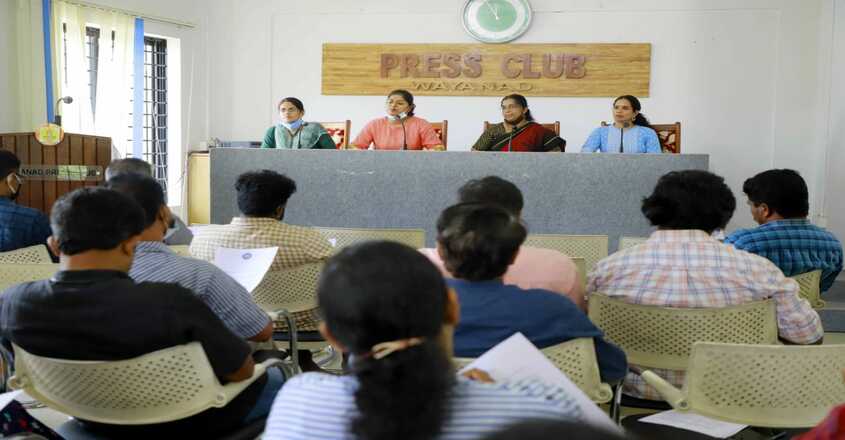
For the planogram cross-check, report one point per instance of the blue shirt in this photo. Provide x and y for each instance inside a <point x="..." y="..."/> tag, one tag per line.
<point x="637" y="139"/>
<point x="492" y="311"/>
<point x="317" y="406"/>
<point x="21" y="226"/>
<point x="795" y="246"/>
<point x="229" y="300"/>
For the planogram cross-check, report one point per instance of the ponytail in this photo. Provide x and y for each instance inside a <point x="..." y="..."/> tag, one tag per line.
<point x="528" y="116"/>
<point x="642" y="121"/>
<point x="404" y="395"/>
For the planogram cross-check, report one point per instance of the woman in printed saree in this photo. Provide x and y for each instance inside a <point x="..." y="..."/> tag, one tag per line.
<point x="518" y="131"/>
<point x="630" y="132"/>
<point x="295" y="133"/>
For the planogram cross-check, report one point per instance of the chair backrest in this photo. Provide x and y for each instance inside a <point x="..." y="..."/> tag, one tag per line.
<point x="293" y="289"/>
<point x="182" y="250"/>
<point x="29" y="255"/>
<point x="339" y="132"/>
<point x="551" y="126"/>
<point x="669" y="136"/>
<point x="626" y="242"/>
<point x="591" y="248"/>
<point x="662" y="337"/>
<point x="577" y="359"/>
<point x="778" y="386"/>
<point x="161" y="386"/>
<point x="810" y="284"/>
<point x="342" y="237"/>
<point x="442" y="130"/>
<point x="11" y="274"/>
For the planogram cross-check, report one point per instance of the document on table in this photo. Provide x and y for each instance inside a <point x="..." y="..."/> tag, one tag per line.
<point x="695" y="422"/>
<point x="246" y="266"/>
<point x="516" y="358"/>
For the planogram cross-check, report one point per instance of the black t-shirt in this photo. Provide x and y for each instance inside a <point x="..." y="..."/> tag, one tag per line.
<point x="105" y="315"/>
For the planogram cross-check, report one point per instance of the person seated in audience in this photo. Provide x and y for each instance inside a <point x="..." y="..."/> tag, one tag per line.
<point x="682" y="265"/>
<point x="20" y="226"/>
<point x="294" y="132"/>
<point x="177" y="233"/>
<point x="477" y="244"/>
<point x="262" y="197"/>
<point x="779" y="204"/>
<point x="154" y="261"/>
<point x="400" y="130"/>
<point x="629" y="133"/>
<point x="518" y="131"/>
<point x="92" y="310"/>
<point x="388" y="307"/>
<point x="553" y="430"/>
<point x="534" y="268"/>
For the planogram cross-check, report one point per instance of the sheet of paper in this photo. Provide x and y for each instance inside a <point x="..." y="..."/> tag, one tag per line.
<point x="694" y="422"/>
<point x="516" y="358"/>
<point x="5" y="398"/>
<point x="333" y="242"/>
<point x="246" y="266"/>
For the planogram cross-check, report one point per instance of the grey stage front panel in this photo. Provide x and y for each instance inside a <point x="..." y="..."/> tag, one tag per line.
<point x="564" y="193"/>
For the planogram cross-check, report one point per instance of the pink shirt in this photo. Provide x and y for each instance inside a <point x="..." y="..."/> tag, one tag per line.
<point x="386" y="136"/>
<point x="536" y="268"/>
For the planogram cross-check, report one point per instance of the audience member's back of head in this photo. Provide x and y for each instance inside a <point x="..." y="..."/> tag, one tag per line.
<point x="262" y="193"/>
<point x="784" y="191"/>
<point x="130" y="165"/>
<point x="377" y="292"/>
<point x="478" y="242"/>
<point x="9" y="163"/>
<point x="142" y="189"/>
<point x="94" y="219"/>
<point x="492" y="190"/>
<point x="553" y="429"/>
<point x="690" y="199"/>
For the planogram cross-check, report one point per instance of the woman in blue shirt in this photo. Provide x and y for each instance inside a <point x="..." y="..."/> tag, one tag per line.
<point x="630" y="132"/>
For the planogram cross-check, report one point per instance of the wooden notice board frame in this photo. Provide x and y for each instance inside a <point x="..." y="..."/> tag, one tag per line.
<point x="75" y="149"/>
<point x="583" y="70"/>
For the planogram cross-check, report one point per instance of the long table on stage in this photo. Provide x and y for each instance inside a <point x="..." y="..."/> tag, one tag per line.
<point x="570" y="193"/>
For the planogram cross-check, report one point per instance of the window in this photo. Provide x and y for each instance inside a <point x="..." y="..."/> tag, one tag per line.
<point x="154" y="130"/>
<point x="92" y="54"/>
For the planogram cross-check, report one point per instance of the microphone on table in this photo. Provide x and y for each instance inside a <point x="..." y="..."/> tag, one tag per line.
<point x="400" y="117"/>
<point x="57" y="119"/>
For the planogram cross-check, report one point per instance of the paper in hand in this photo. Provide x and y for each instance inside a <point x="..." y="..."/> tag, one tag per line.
<point x="246" y="266"/>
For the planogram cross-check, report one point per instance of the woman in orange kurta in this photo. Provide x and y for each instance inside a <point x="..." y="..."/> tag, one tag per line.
<point x="400" y="130"/>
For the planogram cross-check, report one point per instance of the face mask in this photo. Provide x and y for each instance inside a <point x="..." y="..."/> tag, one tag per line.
<point x="15" y="192"/>
<point x="292" y="125"/>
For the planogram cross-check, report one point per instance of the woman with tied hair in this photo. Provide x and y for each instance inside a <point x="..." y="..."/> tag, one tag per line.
<point x="388" y="307"/>
<point x="630" y="132"/>
<point x="400" y="129"/>
<point x="293" y="132"/>
<point x="518" y="131"/>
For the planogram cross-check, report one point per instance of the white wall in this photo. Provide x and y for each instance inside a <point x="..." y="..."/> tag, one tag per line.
<point x="834" y="195"/>
<point x="741" y="75"/>
<point x="8" y="77"/>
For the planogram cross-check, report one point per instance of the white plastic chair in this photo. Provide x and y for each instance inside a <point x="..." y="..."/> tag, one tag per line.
<point x="591" y="248"/>
<point x="11" y="274"/>
<point x="810" y="287"/>
<point x="343" y="237"/>
<point x="162" y="386"/>
<point x="774" y="386"/>
<point x="29" y="255"/>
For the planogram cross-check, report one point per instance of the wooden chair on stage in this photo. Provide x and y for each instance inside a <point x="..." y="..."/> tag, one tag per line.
<point x="339" y="131"/>
<point x="669" y="136"/>
<point x="551" y="126"/>
<point x="442" y="130"/>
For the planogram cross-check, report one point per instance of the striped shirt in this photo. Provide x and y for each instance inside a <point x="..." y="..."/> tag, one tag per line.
<point x="318" y="406"/>
<point x="795" y="246"/>
<point x="689" y="268"/>
<point x="154" y="261"/>
<point x="298" y="245"/>
<point x="21" y="226"/>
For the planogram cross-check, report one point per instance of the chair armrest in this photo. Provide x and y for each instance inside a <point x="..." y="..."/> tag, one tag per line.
<point x="232" y="389"/>
<point x="670" y="394"/>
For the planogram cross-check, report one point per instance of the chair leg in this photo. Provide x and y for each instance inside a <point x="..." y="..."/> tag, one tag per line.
<point x="616" y="404"/>
<point x="294" y="349"/>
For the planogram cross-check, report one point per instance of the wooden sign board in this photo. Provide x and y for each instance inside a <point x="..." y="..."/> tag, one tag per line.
<point x="601" y="70"/>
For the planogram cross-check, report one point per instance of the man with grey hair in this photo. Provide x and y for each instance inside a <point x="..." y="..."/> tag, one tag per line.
<point x="179" y="234"/>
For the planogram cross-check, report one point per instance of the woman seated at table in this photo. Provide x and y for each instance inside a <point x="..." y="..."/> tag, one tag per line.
<point x="518" y="131"/>
<point x="400" y="130"/>
<point x="630" y="132"/>
<point x="295" y="133"/>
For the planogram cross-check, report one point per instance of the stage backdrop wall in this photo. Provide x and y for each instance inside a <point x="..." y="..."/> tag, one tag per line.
<point x="564" y="193"/>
